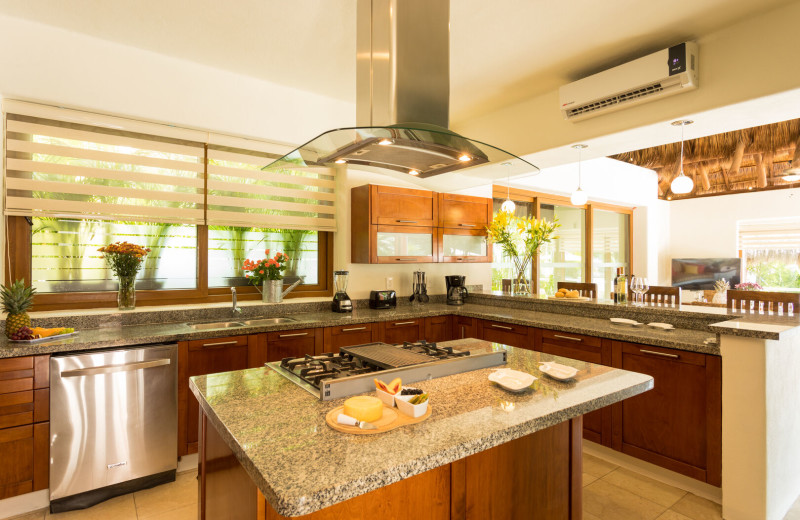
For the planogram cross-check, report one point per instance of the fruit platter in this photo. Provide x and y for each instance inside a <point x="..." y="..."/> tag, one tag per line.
<point x="16" y="300"/>
<point x="39" y="334"/>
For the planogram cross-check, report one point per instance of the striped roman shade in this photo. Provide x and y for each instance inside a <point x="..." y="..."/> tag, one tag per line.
<point x="244" y="190"/>
<point x="67" y="163"/>
<point x="770" y="234"/>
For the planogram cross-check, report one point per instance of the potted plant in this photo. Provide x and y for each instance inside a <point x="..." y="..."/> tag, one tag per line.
<point x="520" y="239"/>
<point x="748" y="286"/>
<point x="125" y="260"/>
<point x="267" y="273"/>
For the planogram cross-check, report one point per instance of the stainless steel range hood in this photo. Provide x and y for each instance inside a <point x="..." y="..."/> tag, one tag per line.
<point x="402" y="106"/>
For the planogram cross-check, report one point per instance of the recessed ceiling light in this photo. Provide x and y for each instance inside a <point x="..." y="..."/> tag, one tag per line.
<point x="413" y="172"/>
<point x="465" y="158"/>
<point x="792" y="178"/>
<point x="669" y="198"/>
<point x="385" y="142"/>
<point x="749" y="187"/>
<point x="340" y="161"/>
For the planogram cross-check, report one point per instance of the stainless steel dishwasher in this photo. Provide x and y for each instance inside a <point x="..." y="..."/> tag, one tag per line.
<point x="113" y="423"/>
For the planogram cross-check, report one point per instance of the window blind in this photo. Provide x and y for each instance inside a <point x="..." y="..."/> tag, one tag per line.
<point x="771" y="234"/>
<point x="64" y="163"/>
<point x="244" y="190"/>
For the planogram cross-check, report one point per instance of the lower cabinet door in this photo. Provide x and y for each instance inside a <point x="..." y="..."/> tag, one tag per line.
<point x="24" y="459"/>
<point x="293" y="343"/>
<point x="438" y="328"/>
<point x="677" y="424"/>
<point x="395" y="332"/>
<point x="506" y="333"/>
<point x="464" y="327"/>
<point x="347" y="336"/>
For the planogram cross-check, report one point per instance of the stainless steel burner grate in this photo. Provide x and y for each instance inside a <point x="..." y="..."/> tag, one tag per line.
<point x="386" y="356"/>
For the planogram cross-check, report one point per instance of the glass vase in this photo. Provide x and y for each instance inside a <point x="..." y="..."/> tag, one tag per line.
<point x="126" y="296"/>
<point x="521" y="286"/>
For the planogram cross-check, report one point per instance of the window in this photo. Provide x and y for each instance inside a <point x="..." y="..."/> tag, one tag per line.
<point x="502" y="267"/>
<point x="610" y="248"/>
<point x="771" y="253"/>
<point x="563" y="259"/>
<point x="201" y="202"/>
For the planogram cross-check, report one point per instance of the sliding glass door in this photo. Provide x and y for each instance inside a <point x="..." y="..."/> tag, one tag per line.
<point x="563" y="259"/>
<point x="611" y="243"/>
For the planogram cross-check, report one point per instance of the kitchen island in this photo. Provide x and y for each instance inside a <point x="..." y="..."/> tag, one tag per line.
<point x="266" y="451"/>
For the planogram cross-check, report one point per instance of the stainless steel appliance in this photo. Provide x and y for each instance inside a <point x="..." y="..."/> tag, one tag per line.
<point x="456" y="290"/>
<point x="113" y="423"/>
<point x="419" y="288"/>
<point x="386" y="299"/>
<point x="341" y="301"/>
<point x="352" y="370"/>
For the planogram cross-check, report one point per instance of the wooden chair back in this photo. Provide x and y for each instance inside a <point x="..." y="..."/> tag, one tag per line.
<point x="758" y="301"/>
<point x="589" y="290"/>
<point x="659" y="294"/>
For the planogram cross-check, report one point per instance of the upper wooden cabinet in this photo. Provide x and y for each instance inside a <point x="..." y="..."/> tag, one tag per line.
<point x="464" y="212"/>
<point x="402" y="206"/>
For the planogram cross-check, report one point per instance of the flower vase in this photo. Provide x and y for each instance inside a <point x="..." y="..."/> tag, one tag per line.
<point x="521" y="285"/>
<point x="126" y="295"/>
<point x="273" y="291"/>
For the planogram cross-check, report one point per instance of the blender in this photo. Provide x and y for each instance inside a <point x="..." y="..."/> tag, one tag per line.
<point x="341" y="302"/>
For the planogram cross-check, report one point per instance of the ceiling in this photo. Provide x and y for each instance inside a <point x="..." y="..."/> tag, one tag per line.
<point x="501" y="52"/>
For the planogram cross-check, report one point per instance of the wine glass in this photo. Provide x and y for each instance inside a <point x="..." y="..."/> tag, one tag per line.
<point x="635" y="289"/>
<point x="644" y="286"/>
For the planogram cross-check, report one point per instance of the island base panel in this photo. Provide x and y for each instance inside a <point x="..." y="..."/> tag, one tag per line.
<point x="536" y="476"/>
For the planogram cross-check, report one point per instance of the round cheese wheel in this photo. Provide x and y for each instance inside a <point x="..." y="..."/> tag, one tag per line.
<point x="364" y="408"/>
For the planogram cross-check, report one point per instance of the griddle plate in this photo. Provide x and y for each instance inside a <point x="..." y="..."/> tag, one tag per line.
<point x="387" y="356"/>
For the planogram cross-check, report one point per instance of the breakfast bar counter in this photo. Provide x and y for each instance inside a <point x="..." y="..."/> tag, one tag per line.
<point x="267" y="452"/>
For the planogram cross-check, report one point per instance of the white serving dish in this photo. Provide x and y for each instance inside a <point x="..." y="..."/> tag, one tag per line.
<point x="662" y="326"/>
<point x="626" y="321"/>
<point x="42" y="340"/>
<point x="412" y="410"/>
<point x="558" y="371"/>
<point x="512" y="380"/>
<point x="387" y="398"/>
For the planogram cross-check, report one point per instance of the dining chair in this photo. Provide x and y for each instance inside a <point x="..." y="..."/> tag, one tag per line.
<point x="659" y="294"/>
<point x="760" y="301"/>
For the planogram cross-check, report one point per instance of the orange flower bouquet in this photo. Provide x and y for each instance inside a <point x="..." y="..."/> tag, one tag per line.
<point x="265" y="269"/>
<point x="125" y="260"/>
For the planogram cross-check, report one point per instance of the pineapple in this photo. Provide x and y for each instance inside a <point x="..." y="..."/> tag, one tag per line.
<point x="16" y="300"/>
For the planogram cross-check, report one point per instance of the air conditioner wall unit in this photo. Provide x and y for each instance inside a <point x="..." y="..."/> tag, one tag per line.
<point x="663" y="73"/>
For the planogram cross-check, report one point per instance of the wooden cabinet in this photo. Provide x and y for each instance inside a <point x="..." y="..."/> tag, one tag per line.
<point x="398" y="331"/>
<point x="335" y="338"/>
<point x="402" y="244"/>
<point x="24" y="426"/>
<point x="462" y="235"/>
<point x="515" y="335"/>
<point x="463" y="246"/>
<point x="678" y="424"/>
<point x="402" y="206"/>
<point x="464" y="327"/>
<point x="438" y="328"/>
<point x="293" y="343"/>
<point x="597" y="424"/>
<point x="210" y="356"/>
<point x="464" y="212"/>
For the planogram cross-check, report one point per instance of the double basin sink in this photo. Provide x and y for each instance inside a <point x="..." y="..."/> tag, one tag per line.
<point x="236" y="324"/>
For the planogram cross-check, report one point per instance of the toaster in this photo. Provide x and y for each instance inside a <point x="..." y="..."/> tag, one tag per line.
<point x="382" y="299"/>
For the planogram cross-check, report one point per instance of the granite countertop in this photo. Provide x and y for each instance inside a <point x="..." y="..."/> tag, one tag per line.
<point x="683" y="339"/>
<point x="279" y="435"/>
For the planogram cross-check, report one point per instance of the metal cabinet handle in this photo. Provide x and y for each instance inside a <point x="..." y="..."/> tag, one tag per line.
<point x="110" y="369"/>
<point x="293" y="335"/>
<point x="502" y="327"/>
<point x="406" y="323"/>
<point x="459" y="259"/>
<point x="220" y="343"/>
<point x="407" y="221"/>
<point x="662" y="354"/>
<point x="405" y="259"/>
<point x="568" y="338"/>
<point x="467" y="225"/>
<point x="354" y="328"/>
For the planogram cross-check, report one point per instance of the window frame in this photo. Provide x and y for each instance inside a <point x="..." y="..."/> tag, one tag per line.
<point x="537" y="199"/>
<point x="18" y="255"/>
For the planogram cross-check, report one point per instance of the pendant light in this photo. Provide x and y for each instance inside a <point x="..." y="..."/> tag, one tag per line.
<point x="508" y="205"/>
<point x="579" y="197"/>
<point x="682" y="184"/>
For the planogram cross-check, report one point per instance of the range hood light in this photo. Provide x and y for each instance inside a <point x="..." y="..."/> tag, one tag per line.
<point x="413" y="172"/>
<point x="385" y="142"/>
<point x="464" y="158"/>
<point x="340" y="161"/>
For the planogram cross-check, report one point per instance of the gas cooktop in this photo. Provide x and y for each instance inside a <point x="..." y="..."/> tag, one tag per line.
<point x="351" y="371"/>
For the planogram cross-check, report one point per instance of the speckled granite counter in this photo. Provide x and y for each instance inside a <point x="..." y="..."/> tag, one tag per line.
<point x="278" y="432"/>
<point x="683" y="339"/>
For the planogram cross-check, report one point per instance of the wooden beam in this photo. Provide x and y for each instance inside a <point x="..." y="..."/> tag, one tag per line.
<point x="761" y="172"/>
<point x="703" y="171"/>
<point x="736" y="163"/>
<point x="769" y="163"/>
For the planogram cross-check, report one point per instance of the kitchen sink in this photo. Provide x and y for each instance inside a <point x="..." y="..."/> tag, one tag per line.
<point x="216" y="325"/>
<point x="269" y="321"/>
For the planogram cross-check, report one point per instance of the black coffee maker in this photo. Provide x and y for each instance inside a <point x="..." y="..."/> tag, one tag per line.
<point x="456" y="290"/>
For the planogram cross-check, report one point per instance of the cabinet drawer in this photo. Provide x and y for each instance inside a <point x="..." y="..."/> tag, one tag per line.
<point x="230" y="341"/>
<point x="568" y="338"/>
<point x="16" y="409"/>
<point x="293" y="343"/>
<point x="398" y="324"/>
<point x="402" y="206"/>
<point x="574" y="346"/>
<point x="506" y="333"/>
<point x="348" y="335"/>
<point x="506" y="327"/>
<point x="16" y="374"/>
<point x="666" y="354"/>
<point x="354" y="329"/>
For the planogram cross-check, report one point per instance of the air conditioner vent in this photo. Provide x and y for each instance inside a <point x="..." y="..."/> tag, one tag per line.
<point x="619" y="98"/>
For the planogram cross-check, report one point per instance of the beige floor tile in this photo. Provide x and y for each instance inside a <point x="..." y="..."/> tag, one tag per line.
<point x="596" y="466"/>
<point x="588" y="479"/>
<point x="119" y="508"/>
<point x="187" y="512"/>
<point x="607" y="501"/>
<point x="697" y="508"/>
<point x="794" y="511"/>
<point x="653" y="490"/>
<point x="669" y="514"/>
<point x="167" y="497"/>
<point x="589" y="516"/>
<point x="36" y="515"/>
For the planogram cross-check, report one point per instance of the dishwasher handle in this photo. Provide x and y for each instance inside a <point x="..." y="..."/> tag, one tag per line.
<point x="110" y="369"/>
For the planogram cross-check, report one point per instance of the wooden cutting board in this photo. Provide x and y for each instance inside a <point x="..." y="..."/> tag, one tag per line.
<point x="392" y="418"/>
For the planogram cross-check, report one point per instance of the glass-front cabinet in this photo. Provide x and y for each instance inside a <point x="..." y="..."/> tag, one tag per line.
<point x="563" y="259"/>
<point x="611" y="247"/>
<point x="463" y="245"/>
<point x="397" y="244"/>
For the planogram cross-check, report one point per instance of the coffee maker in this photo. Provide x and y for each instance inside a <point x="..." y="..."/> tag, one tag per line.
<point x="456" y="289"/>
<point x="341" y="301"/>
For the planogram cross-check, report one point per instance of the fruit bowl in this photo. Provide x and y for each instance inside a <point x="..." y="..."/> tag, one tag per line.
<point x="412" y="410"/>
<point x="387" y="398"/>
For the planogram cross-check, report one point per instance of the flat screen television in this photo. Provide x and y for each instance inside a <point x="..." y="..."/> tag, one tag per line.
<point x="696" y="274"/>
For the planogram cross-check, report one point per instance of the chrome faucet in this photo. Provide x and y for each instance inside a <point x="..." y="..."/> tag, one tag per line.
<point x="236" y="310"/>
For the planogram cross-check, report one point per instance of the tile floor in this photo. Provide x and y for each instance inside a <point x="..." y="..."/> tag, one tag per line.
<point x="610" y="493"/>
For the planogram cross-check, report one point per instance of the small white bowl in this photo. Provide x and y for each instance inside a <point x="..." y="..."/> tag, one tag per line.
<point x="512" y="380"/>
<point x="558" y="371"/>
<point x="412" y="410"/>
<point x="388" y="399"/>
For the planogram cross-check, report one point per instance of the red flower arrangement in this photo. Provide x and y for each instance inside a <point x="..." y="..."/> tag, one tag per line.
<point x="265" y="269"/>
